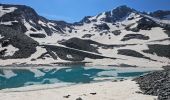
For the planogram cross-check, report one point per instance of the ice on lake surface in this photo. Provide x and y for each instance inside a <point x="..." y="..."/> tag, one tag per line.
<point x="13" y="78"/>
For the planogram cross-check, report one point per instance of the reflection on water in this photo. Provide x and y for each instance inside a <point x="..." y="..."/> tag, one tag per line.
<point x="12" y="78"/>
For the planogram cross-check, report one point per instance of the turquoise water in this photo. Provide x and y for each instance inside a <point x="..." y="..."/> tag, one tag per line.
<point x="13" y="78"/>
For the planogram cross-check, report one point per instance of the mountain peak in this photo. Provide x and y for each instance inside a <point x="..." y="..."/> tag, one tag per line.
<point x="109" y="16"/>
<point x="118" y="13"/>
<point x="21" y="12"/>
<point x="122" y="7"/>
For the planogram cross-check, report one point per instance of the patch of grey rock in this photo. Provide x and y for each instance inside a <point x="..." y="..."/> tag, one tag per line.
<point x="156" y="83"/>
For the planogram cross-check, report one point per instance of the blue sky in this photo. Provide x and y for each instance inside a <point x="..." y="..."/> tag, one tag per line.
<point x="75" y="10"/>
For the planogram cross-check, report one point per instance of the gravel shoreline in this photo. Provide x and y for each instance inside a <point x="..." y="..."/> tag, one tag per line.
<point x="156" y="83"/>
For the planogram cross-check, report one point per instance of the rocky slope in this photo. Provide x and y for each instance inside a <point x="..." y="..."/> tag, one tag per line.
<point x="122" y="36"/>
<point x="156" y="83"/>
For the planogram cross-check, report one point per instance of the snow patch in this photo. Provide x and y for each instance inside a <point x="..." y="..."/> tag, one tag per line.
<point x="9" y="73"/>
<point x="10" y="50"/>
<point x="69" y="56"/>
<point x="4" y="11"/>
<point x="37" y="72"/>
<point x="7" y="23"/>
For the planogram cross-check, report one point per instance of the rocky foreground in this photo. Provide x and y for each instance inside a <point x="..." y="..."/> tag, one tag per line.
<point x="156" y="83"/>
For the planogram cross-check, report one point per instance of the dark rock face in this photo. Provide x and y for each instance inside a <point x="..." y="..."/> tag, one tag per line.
<point x="25" y="44"/>
<point x="87" y="35"/>
<point x="156" y="83"/>
<point x="48" y="54"/>
<point x="24" y="14"/>
<point x="61" y="25"/>
<point x="160" y="50"/>
<point x="2" y="52"/>
<point x="117" y="14"/>
<point x="116" y="32"/>
<point x="85" y="20"/>
<point x="79" y="98"/>
<point x="77" y="55"/>
<point x="132" y="53"/>
<point x="103" y="26"/>
<point x="80" y="44"/>
<point x="146" y="24"/>
<point x="160" y="14"/>
<point x="167" y="32"/>
<point x="87" y="45"/>
<point x="20" y="14"/>
<point x="135" y="29"/>
<point x="38" y="35"/>
<point x="135" y="36"/>
<point x="5" y="43"/>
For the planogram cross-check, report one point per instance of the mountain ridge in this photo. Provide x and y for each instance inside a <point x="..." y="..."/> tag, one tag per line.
<point x="122" y="36"/>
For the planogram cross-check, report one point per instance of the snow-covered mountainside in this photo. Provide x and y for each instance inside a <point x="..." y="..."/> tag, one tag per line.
<point x="121" y="37"/>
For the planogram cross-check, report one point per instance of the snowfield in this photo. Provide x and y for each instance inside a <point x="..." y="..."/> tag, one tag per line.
<point x="103" y="39"/>
<point x="125" y="90"/>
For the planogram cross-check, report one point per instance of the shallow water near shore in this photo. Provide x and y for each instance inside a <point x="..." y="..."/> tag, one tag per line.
<point x="21" y="77"/>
